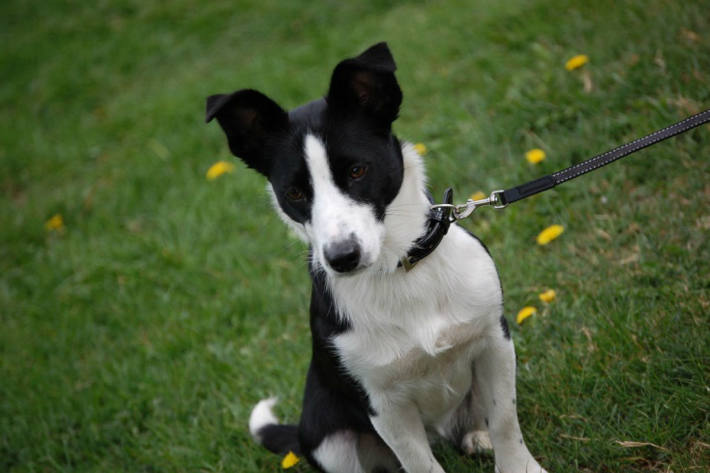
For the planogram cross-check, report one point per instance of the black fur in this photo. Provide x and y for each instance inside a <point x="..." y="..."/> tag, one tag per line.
<point x="504" y="326"/>
<point x="280" y="438"/>
<point x="333" y="400"/>
<point x="251" y="120"/>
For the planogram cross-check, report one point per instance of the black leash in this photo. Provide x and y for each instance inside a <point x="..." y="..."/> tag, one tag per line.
<point x="514" y="194"/>
<point x="442" y="215"/>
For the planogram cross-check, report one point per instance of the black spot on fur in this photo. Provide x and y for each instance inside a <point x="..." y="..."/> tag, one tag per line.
<point x="504" y="325"/>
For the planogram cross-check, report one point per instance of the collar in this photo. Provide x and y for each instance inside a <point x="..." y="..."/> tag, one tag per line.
<point x="440" y="218"/>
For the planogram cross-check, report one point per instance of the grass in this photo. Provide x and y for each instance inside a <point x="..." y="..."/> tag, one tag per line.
<point x="139" y="337"/>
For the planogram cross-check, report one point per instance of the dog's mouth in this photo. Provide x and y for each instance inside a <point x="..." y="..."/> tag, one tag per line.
<point x="347" y="274"/>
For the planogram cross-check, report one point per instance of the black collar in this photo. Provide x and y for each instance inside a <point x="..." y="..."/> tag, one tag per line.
<point x="437" y="226"/>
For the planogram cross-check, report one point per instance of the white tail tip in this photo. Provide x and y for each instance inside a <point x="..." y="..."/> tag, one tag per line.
<point x="260" y="416"/>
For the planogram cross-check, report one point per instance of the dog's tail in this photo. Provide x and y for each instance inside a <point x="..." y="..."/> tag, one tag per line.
<point x="265" y="428"/>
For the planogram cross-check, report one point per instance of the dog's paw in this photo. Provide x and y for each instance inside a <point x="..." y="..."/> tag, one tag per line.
<point x="476" y="441"/>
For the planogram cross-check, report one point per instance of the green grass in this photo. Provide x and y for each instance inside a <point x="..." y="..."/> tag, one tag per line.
<point x="139" y="338"/>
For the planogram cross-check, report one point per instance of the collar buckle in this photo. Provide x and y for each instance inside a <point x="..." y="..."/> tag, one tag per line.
<point x="462" y="211"/>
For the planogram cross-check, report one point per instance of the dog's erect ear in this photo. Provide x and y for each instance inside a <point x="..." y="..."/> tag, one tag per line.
<point x="367" y="83"/>
<point x="248" y="118"/>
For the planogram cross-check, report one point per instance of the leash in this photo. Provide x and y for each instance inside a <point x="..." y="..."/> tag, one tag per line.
<point x="442" y="215"/>
<point x="502" y="198"/>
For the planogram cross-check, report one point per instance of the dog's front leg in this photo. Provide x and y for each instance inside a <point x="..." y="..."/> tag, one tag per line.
<point x="400" y="426"/>
<point x="495" y="375"/>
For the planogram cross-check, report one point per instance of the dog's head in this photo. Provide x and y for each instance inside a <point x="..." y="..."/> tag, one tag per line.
<point x="333" y="164"/>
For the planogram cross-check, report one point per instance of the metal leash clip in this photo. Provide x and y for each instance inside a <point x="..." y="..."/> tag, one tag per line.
<point x="461" y="211"/>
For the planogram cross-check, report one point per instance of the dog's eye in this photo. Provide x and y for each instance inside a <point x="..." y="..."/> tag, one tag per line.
<point x="357" y="171"/>
<point x="295" y="194"/>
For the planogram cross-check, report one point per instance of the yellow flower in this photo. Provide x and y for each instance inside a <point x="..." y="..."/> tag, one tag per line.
<point x="576" y="62"/>
<point x="289" y="460"/>
<point x="549" y="234"/>
<point x="219" y="168"/>
<point x="524" y="313"/>
<point x="548" y="296"/>
<point x="420" y="148"/>
<point x="56" y="223"/>
<point x="535" y="155"/>
<point x="478" y="195"/>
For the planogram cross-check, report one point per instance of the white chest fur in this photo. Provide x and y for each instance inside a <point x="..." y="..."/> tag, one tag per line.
<point x="417" y="332"/>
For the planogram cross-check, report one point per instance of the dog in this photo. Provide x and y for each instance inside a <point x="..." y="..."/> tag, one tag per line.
<point x="400" y="354"/>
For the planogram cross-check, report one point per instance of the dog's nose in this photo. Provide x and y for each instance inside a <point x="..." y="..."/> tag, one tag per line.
<point x="343" y="256"/>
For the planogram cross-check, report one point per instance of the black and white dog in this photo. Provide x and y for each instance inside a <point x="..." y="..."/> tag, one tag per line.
<point x="398" y="356"/>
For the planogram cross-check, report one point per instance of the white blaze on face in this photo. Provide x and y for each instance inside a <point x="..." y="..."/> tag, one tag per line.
<point x="335" y="216"/>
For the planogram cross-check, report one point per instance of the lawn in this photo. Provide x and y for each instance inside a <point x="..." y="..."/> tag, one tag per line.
<point x="137" y="335"/>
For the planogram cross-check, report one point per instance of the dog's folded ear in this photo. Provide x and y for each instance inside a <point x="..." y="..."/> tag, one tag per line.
<point x="248" y="118"/>
<point x="367" y="83"/>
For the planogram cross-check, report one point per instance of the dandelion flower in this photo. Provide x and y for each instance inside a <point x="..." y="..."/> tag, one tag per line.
<point x="289" y="460"/>
<point x="56" y="223"/>
<point x="478" y="195"/>
<point x="535" y="155"/>
<point x="549" y="234"/>
<point x="548" y="296"/>
<point x="524" y="313"/>
<point x="576" y="62"/>
<point x="219" y="168"/>
<point x="420" y="148"/>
